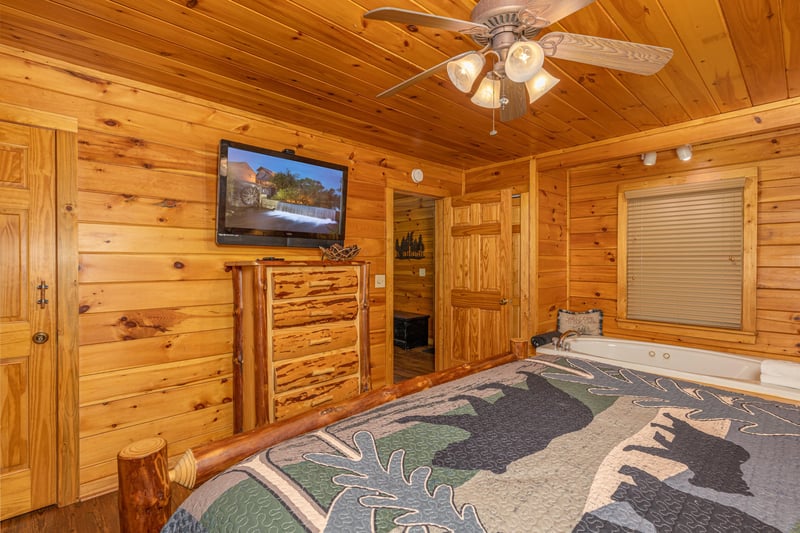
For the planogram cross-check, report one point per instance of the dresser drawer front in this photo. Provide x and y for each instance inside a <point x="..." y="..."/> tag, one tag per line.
<point x="297" y="373"/>
<point x="291" y="343"/>
<point x="296" y="402"/>
<point x="294" y="284"/>
<point x="318" y="311"/>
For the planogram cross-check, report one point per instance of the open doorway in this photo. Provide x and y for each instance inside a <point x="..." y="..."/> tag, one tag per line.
<point x="413" y="283"/>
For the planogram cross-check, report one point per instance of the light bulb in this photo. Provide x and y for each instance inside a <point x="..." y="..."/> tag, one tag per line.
<point x="524" y="60"/>
<point x="463" y="72"/>
<point x="488" y="93"/>
<point x="538" y="85"/>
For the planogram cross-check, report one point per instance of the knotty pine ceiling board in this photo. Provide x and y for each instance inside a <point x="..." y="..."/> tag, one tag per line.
<point x="319" y="65"/>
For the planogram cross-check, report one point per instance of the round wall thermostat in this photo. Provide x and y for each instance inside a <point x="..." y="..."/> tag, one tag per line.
<point x="416" y="175"/>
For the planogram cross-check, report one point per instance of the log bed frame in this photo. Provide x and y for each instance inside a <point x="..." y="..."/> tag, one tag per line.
<point x="147" y="496"/>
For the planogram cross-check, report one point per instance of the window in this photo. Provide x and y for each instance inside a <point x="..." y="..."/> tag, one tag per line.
<point x="687" y="254"/>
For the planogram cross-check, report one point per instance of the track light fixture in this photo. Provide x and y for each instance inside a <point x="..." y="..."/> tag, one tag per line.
<point x="649" y="158"/>
<point x="684" y="152"/>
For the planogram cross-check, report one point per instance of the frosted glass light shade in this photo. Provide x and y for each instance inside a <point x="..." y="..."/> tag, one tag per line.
<point x="542" y="82"/>
<point x="463" y="72"/>
<point x="524" y="60"/>
<point x="488" y="94"/>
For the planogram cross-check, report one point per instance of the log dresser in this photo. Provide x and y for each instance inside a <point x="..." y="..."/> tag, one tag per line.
<point x="301" y="337"/>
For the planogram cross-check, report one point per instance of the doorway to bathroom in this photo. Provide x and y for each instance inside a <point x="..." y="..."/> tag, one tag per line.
<point x="413" y="285"/>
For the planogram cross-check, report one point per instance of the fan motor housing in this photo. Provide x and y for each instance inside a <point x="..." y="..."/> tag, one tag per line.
<point x="499" y="16"/>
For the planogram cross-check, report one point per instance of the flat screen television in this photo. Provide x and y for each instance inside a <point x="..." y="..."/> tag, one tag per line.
<point x="270" y="198"/>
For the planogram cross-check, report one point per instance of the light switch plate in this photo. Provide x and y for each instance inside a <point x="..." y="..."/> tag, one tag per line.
<point x="380" y="281"/>
<point x="422" y="272"/>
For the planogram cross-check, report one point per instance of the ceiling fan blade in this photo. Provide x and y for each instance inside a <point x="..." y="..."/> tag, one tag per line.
<point x="422" y="75"/>
<point x="517" y="104"/>
<point x="542" y="13"/>
<point x="620" y="55"/>
<point x="405" y="16"/>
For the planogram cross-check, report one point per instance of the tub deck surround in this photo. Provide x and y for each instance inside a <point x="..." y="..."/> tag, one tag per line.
<point x="719" y="369"/>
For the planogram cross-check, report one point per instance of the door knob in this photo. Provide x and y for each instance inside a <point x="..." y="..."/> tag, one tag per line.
<point x="40" y="337"/>
<point x="503" y="301"/>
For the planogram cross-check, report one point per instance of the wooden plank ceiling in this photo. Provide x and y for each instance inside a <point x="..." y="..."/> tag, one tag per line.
<point x="319" y="64"/>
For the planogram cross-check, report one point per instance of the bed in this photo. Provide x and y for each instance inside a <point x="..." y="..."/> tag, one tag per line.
<point x="533" y="444"/>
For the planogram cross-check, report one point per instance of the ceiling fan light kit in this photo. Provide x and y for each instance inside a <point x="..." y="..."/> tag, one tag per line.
<point x="538" y="85"/>
<point x="488" y="94"/>
<point x="463" y="72"/>
<point x="506" y="29"/>
<point x="524" y="61"/>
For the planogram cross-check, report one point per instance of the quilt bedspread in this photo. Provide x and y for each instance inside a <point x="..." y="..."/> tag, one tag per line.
<point x="542" y="444"/>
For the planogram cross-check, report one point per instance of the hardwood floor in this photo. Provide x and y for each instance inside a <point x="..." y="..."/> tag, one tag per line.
<point x="413" y="362"/>
<point x="99" y="515"/>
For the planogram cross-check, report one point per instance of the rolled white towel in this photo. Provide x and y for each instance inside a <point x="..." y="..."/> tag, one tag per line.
<point x="776" y="367"/>
<point x="784" y="381"/>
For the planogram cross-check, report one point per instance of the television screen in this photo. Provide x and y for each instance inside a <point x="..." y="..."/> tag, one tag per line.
<point x="269" y="198"/>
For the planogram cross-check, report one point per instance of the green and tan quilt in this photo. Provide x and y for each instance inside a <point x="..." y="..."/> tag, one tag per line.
<point x="542" y="444"/>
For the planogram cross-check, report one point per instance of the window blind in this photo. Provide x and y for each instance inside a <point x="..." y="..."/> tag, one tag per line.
<point x="685" y="255"/>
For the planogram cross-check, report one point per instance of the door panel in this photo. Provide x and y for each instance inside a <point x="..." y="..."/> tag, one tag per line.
<point x="27" y="369"/>
<point x="477" y="270"/>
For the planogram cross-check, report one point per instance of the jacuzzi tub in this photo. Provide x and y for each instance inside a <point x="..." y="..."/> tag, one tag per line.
<point x="725" y="370"/>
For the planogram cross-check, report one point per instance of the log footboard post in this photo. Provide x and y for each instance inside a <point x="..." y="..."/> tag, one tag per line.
<point x="144" y="486"/>
<point x="519" y="347"/>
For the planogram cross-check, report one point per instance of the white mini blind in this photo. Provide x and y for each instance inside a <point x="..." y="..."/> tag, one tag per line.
<point x="685" y="255"/>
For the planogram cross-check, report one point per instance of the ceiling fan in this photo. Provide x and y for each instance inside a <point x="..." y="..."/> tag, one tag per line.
<point x="506" y="29"/>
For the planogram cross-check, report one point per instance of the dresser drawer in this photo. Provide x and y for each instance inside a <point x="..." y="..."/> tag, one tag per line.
<point x="298" y="284"/>
<point x="297" y="342"/>
<point x="293" y="313"/>
<point x="298" y="373"/>
<point x="296" y="402"/>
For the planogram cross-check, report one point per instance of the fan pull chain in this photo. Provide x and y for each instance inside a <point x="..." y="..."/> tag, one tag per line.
<point x="493" y="132"/>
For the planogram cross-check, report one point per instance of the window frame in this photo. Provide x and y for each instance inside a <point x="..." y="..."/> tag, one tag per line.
<point x="707" y="180"/>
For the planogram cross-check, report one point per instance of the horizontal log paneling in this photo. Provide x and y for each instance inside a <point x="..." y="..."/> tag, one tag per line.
<point x="118" y="179"/>
<point x="137" y="324"/>
<point x="159" y="211"/>
<point x="786" y="256"/>
<point x="778" y="278"/>
<point x="513" y="175"/>
<point x="126" y="412"/>
<point x="105" y="297"/>
<point x="787" y="322"/>
<point x="154" y="350"/>
<point x="103" y="387"/>
<point x="99" y="448"/>
<point x="105" y="268"/>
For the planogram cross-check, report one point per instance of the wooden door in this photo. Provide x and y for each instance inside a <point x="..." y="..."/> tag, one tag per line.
<point x="476" y="275"/>
<point x="27" y="311"/>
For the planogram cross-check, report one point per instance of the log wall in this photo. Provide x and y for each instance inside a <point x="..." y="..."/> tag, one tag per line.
<point x="593" y="235"/>
<point x="154" y="299"/>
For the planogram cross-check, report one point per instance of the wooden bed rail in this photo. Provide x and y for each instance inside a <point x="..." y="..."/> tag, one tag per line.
<point x="145" y="479"/>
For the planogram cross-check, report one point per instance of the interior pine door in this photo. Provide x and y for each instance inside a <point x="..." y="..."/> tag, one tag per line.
<point x="476" y="271"/>
<point x="27" y="368"/>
